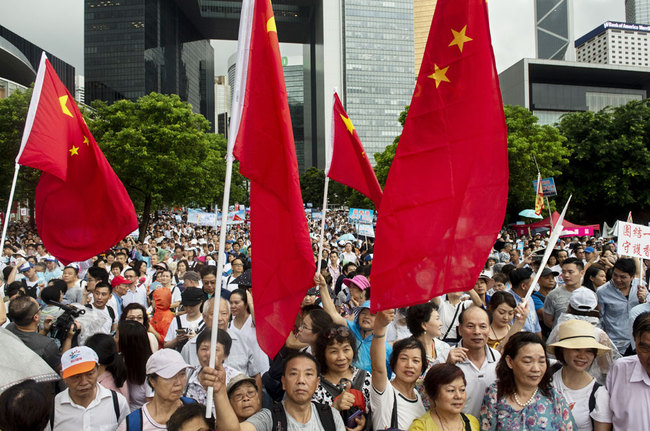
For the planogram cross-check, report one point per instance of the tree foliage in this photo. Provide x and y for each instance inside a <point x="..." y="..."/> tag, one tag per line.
<point x="312" y="184"/>
<point x="610" y="166"/>
<point x="527" y="142"/>
<point x="13" y="112"/>
<point x="163" y="153"/>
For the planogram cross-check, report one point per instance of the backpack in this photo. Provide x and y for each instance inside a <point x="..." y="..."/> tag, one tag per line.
<point x="279" y="416"/>
<point x="111" y="312"/>
<point x="592" y="400"/>
<point x="134" y="419"/>
<point x="116" y="408"/>
<point x="335" y="391"/>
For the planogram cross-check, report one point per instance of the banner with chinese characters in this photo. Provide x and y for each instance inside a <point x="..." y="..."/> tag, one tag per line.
<point x="633" y="240"/>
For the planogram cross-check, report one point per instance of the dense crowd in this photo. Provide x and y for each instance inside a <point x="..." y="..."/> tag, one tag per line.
<point x="129" y="334"/>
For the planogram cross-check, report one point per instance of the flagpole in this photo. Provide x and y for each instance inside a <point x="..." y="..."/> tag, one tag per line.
<point x="11" y="200"/>
<point x="217" y="289"/>
<point x="322" y="225"/>
<point x="555" y="234"/>
<point x="550" y="213"/>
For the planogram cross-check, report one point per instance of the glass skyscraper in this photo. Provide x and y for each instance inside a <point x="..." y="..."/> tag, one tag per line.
<point x="637" y="11"/>
<point x="553" y="29"/>
<point x="378" y="72"/>
<point x="134" y="47"/>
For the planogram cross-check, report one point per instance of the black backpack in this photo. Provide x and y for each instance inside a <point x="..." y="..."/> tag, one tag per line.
<point x="325" y="415"/>
<point x="116" y="408"/>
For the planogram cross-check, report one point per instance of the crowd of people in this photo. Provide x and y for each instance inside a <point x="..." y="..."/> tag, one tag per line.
<point x="130" y="334"/>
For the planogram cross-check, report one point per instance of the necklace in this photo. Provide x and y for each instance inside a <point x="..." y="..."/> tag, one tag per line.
<point x="443" y="423"/>
<point x="530" y="400"/>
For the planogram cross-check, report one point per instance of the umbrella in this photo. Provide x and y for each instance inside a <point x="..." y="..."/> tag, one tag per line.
<point x="347" y="237"/>
<point x="244" y="280"/>
<point x="530" y="214"/>
<point x="20" y="363"/>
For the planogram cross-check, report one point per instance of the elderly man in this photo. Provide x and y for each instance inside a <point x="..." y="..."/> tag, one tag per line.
<point x="86" y="405"/>
<point x="628" y="382"/>
<point x="477" y="360"/>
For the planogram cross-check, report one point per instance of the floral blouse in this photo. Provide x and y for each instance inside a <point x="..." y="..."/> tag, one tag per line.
<point x="544" y="413"/>
<point x="323" y="396"/>
<point x="442" y="351"/>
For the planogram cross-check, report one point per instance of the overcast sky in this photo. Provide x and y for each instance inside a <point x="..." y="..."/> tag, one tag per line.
<point x="57" y="26"/>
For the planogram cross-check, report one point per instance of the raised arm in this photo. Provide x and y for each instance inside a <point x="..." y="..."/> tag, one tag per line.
<point x="328" y="304"/>
<point x="378" y="350"/>
<point x="521" y="314"/>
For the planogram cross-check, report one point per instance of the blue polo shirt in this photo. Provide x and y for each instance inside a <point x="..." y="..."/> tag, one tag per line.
<point x="615" y="311"/>
<point x="363" y="348"/>
<point x="532" y="322"/>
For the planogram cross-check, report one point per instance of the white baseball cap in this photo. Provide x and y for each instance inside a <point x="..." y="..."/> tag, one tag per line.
<point x="78" y="360"/>
<point x="166" y="363"/>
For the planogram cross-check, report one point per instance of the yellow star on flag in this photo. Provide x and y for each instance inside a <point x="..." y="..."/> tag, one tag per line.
<point x="63" y="100"/>
<point x="348" y="123"/>
<point x="74" y="151"/>
<point x="439" y="75"/>
<point x="460" y="38"/>
<point x="86" y="141"/>
<point x="270" y="25"/>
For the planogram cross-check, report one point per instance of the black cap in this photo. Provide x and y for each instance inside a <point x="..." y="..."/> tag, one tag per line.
<point x="192" y="296"/>
<point x="548" y="271"/>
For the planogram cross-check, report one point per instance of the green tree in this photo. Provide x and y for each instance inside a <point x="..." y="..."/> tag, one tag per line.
<point x="13" y="112"/>
<point x="163" y="153"/>
<point x="312" y="183"/>
<point x="528" y="141"/>
<point x="610" y="164"/>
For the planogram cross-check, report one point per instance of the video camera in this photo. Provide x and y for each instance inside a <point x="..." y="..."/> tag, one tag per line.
<point x="61" y="326"/>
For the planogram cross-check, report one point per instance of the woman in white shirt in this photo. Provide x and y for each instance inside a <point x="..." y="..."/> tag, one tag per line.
<point x="577" y="349"/>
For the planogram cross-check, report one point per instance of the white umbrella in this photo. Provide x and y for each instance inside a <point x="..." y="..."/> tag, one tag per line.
<point x="20" y="363"/>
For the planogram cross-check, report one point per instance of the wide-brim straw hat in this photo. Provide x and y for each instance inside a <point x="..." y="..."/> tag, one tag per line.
<point x="577" y="334"/>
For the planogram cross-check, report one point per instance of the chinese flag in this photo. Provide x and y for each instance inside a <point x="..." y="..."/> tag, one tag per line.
<point x="267" y="157"/>
<point x="447" y="187"/>
<point x="81" y="207"/>
<point x="539" y="195"/>
<point x="348" y="162"/>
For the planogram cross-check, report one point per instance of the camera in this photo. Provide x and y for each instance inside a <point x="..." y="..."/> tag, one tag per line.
<point x="61" y="326"/>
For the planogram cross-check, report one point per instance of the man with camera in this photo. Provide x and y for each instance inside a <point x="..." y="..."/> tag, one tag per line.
<point x="25" y="315"/>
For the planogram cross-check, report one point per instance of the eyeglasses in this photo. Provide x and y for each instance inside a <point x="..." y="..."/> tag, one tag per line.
<point x="304" y="328"/>
<point x="252" y="393"/>
<point x="341" y="331"/>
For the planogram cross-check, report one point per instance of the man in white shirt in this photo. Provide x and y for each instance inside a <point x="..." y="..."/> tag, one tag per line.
<point x="101" y="298"/>
<point x="134" y="293"/>
<point x="477" y="360"/>
<point x="628" y="382"/>
<point x="86" y="405"/>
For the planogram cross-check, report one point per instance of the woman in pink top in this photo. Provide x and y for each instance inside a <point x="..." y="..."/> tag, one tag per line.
<point x="111" y="367"/>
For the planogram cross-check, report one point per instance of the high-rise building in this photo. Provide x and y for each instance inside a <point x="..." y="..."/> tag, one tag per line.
<point x="134" y="47"/>
<point x="29" y="55"/>
<point x="378" y="74"/>
<point x="222" y="104"/>
<point x="422" y="16"/>
<point x="294" y="80"/>
<point x="637" y="11"/>
<point x="554" y="29"/>
<point x="615" y="43"/>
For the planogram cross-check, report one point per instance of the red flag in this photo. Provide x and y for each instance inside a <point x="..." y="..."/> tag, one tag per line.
<point x="447" y="187"/>
<point x="81" y="207"/>
<point x="267" y="157"/>
<point x="539" y="195"/>
<point x="348" y="162"/>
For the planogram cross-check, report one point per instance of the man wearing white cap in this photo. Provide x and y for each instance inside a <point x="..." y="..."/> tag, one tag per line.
<point x="86" y="405"/>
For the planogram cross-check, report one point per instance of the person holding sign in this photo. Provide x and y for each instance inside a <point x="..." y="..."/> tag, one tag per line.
<point x="617" y="297"/>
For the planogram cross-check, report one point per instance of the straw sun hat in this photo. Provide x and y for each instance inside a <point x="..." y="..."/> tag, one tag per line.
<point x="577" y="334"/>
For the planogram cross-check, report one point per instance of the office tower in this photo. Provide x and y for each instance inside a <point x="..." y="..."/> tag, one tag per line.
<point x="637" y="11"/>
<point x="422" y="16"/>
<point x="615" y="43"/>
<point x="554" y="29"/>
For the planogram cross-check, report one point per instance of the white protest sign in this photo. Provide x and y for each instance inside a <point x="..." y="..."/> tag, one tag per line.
<point x="633" y="240"/>
<point x="366" y="230"/>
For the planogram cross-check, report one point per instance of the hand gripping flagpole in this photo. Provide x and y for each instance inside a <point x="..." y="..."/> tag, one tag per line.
<point x="555" y="234"/>
<point x="241" y="71"/>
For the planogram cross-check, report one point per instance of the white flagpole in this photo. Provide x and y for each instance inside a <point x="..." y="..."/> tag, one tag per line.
<point x="11" y="200"/>
<point x="241" y="72"/>
<point x="322" y="225"/>
<point x="555" y="234"/>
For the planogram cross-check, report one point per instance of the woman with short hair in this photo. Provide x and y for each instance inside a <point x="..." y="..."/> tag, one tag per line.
<point x="445" y="386"/>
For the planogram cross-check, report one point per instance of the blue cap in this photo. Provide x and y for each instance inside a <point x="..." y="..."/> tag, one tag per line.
<point x="25" y="267"/>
